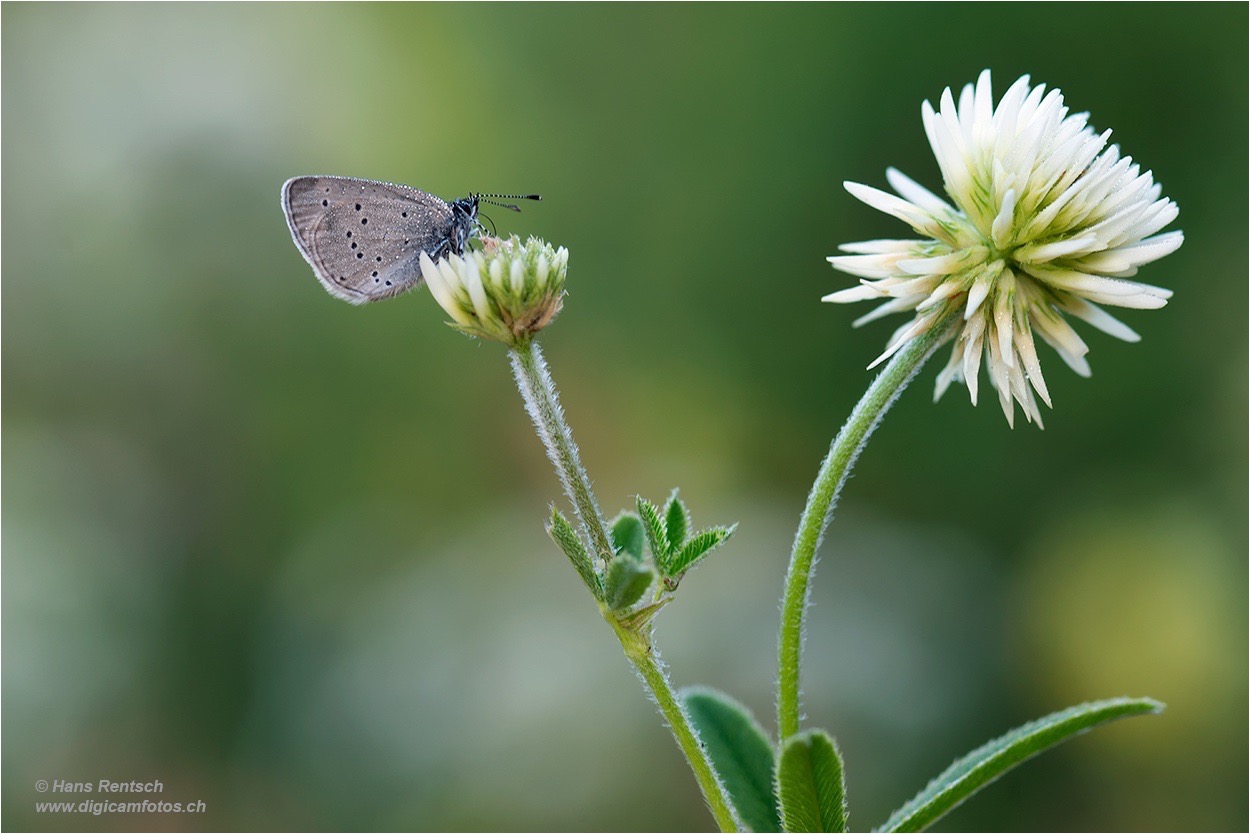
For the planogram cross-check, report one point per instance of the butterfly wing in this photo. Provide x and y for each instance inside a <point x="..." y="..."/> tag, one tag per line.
<point x="363" y="238"/>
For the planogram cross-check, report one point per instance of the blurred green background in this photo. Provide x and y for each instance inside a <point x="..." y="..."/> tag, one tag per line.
<point x="287" y="556"/>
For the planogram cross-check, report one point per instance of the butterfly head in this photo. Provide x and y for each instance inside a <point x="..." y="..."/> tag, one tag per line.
<point x="464" y="222"/>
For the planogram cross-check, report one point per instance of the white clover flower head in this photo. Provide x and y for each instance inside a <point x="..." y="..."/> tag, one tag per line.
<point x="1048" y="219"/>
<point x="507" y="291"/>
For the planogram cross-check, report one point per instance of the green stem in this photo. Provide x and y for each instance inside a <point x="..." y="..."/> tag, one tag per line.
<point x="640" y="653"/>
<point x="539" y="392"/>
<point x="820" y="503"/>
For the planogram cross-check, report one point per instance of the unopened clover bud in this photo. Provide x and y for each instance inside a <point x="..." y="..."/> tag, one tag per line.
<point x="507" y="291"/>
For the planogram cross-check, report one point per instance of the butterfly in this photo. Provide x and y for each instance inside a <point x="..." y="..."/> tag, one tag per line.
<point x="364" y="239"/>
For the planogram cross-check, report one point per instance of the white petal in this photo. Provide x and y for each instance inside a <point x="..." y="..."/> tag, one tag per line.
<point x="981" y="287"/>
<point x="1005" y="400"/>
<point x="1038" y="253"/>
<point x="973" y="333"/>
<point x="1003" y="325"/>
<point x="433" y="279"/>
<point x="1167" y="212"/>
<point x="966" y="110"/>
<point x="901" y="337"/>
<point x="1028" y="358"/>
<point x="1134" y="255"/>
<point x="1020" y="391"/>
<point x="951" y="372"/>
<point x="948" y="111"/>
<point x="1024" y="395"/>
<point x="471" y="276"/>
<point x="1113" y="291"/>
<point x="1079" y="364"/>
<point x="1007" y="114"/>
<point x="863" y="292"/>
<point x="976" y="294"/>
<point x="952" y="149"/>
<point x="1084" y="284"/>
<point x="885" y="202"/>
<point x="443" y="280"/>
<point x="943" y="264"/>
<point x="911" y="190"/>
<point x="517" y="273"/>
<point x="928" y="118"/>
<point x="1100" y="318"/>
<point x="1144" y="300"/>
<point x="894" y="305"/>
<point x="984" y="113"/>
<point x="999" y="377"/>
<point x="1127" y="221"/>
<point x="1073" y="189"/>
<point x="1059" y="335"/>
<point x="542" y="270"/>
<point x="1001" y="228"/>
<point x="884" y="247"/>
<point x="941" y="293"/>
<point x="866" y="266"/>
<point x="1029" y="107"/>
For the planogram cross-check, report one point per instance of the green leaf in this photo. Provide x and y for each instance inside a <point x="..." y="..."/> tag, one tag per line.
<point x="985" y="764"/>
<point x="562" y="534"/>
<point x="627" y="535"/>
<point x="676" y="521"/>
<point x="626" y="582"/>
<point x="740" y="753"/>
<point x="699" y="546"/>
<point x="657" y="536"/>
<point x="809" y="783"/>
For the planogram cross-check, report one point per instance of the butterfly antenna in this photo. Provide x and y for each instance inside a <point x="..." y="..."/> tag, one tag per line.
<point x="486" y="198"/>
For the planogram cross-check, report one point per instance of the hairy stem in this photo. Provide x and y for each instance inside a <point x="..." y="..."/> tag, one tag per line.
<point x="640" y="653"/>
<point x="819" y="510"/>
<point x="539" y="392"/>
<point x="543" y="405"/>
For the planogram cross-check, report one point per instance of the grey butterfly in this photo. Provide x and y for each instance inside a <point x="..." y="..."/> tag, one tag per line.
<point x="363" y="238"/>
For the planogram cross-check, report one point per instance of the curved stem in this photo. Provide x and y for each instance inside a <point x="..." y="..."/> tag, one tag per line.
<point x="541" y="401"/>
<point x="820" y="503"/>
